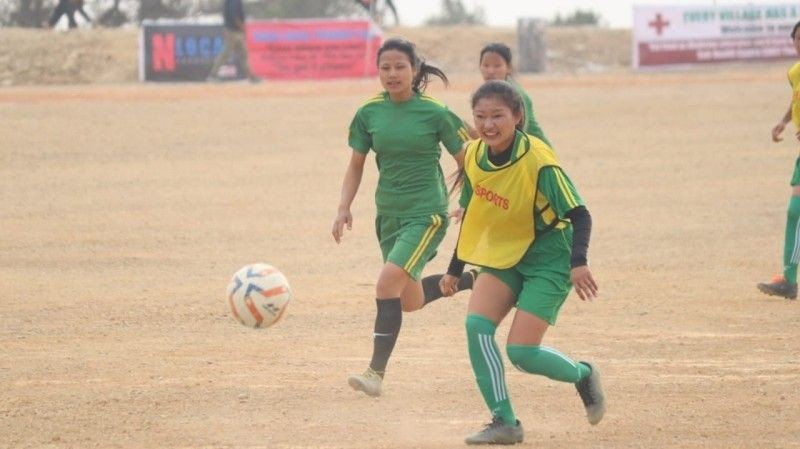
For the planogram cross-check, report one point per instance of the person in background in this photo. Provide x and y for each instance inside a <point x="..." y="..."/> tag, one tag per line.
<point x="235" y="41"/>
<point x="68" y="8"/>
<point x="495" y="64"/>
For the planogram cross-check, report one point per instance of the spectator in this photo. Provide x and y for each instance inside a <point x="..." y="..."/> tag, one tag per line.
<point x="235" y="40"/>
<point x="68" y="8"/>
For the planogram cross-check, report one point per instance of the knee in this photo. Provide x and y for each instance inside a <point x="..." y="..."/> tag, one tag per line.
<point x="479" y="324"/>
<point x="794" y="208"/>
<point x="387" y="289"/>
<point x="409" y="306"/>
<point x="519" y="355"/>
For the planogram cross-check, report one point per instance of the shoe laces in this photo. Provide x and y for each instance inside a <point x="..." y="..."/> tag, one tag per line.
<point x="372" y="374"/>
<point x="496" y="422"/>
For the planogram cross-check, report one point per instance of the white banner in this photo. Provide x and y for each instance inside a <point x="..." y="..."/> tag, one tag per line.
<point x="667" y="35"/>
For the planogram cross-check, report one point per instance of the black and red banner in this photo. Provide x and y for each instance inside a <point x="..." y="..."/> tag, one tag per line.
<point x="293" y="49"/>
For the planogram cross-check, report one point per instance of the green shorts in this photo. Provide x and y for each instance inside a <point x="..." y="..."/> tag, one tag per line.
<point x="796" y="174"/>
<point x="541" y="280"/>
<point x="410" y="242"/>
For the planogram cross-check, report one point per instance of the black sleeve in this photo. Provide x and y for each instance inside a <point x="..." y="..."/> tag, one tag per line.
<point x="581" y="230"/>
<point x="456" y="267"/>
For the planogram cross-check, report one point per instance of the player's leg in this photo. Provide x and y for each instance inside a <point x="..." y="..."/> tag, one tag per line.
<point x="388" y="320"/>
<point x="791" y="247"/>
<point x="493" y="296"/>
<point x="785" y="285"/>
<point x="222" y="58"/>
<point x="546" y="286"/>
<point x="537" y="307"/>
<point x="416" y="244"/>
<point x="406" y="245"/>
<point x="432" y="292"/>
<point x="528" y="355"/>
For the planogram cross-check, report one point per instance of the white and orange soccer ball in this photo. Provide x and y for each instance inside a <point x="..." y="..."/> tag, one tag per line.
<point x="258" y="295"/>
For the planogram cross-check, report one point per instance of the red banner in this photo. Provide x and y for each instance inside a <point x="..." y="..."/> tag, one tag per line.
<point x="714" y="50"/>
<point x="313" y="49"/>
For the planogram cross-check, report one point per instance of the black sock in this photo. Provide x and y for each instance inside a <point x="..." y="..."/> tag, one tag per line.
<point x="432" y="292"/>
<point x="466" y="280"/>
<point x="430" y="287"/>
<point x="387" y="328"/>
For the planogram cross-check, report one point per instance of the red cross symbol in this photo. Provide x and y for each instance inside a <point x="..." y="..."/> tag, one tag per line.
<point x="659" y="23"/>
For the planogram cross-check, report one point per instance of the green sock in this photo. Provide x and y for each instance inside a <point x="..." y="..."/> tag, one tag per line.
<point x="546" y="362"/>
<point x="791" y="251"/>
<point x="487" y="364"/>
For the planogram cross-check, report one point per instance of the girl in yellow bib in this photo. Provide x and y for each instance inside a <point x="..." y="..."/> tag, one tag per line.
<point x="524" y="223"/>
<point x="785" y="284"/>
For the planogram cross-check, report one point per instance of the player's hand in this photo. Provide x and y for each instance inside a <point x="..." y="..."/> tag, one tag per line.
<point x="343" y="218"/>
<point x="583" y="282"/>
<point x="448" y="284"/>
<point x="473" y="133"/>
<point x="456" y="214"/>
<point x="777" y="131"/>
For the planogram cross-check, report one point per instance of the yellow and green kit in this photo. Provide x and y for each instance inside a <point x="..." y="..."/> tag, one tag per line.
<point x="513" y="225"/>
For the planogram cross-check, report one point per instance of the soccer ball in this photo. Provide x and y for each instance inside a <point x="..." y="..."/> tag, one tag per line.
<point x="258" y="295"/>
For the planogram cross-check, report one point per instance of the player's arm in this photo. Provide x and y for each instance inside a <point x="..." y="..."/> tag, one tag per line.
<point x="777" y="130"/>
<point x="566" y="203"/>
<point x="352" y="180"/>
<point x="456" y="267"/>
<point x="459" y="158"/>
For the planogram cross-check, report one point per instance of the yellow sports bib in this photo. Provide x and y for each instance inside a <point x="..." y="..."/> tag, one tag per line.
<point x="794" y="80"/>
<point x="498" y="225"/>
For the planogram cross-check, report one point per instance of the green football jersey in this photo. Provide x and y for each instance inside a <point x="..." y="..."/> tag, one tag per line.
<point x="405" y="137"/>
<point x="531" y="125"/>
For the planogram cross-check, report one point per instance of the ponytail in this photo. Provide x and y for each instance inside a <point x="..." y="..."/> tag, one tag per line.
<point x="424" y="73"/>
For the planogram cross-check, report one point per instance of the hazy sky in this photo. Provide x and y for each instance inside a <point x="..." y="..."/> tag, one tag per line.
<point x="615" y="13"/>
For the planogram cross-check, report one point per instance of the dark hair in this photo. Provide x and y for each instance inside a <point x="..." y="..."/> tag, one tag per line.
<point x="424" y="70"/>
<point x="506" y="93"/>
<point x="501" y="49"/>
<point x="794" y="30"/>
<point x="496" y="47"/>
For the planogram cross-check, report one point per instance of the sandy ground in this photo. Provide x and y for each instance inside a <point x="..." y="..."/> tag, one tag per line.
<point x="125" y="209"/>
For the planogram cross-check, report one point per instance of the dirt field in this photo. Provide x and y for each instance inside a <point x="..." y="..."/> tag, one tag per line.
<point x="124" y="210"/>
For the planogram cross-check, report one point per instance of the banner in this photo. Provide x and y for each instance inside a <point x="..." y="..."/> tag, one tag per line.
<point x="313" y="49"/>
<point x="178" y="52"/>
<point x="666" y="35"/>
<point x="301" y="49"/>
